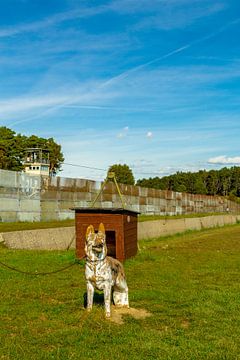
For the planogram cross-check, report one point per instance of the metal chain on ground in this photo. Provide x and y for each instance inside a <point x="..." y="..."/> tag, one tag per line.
<point x="76" y="261"/>
<point x="72" y="239"/>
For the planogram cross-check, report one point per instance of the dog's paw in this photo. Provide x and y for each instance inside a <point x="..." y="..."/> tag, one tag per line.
<point x="108" y="315"/>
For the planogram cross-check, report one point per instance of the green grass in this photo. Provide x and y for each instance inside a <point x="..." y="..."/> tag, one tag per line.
<point x="162" y="217"/>
<point x="190" y="284"/>
<point x="18" y="226"/>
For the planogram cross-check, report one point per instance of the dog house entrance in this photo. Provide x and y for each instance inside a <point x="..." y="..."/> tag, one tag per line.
<point x="111" y="243"/>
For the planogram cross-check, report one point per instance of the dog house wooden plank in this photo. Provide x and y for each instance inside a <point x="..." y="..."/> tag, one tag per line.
<point x="120" y="221"/>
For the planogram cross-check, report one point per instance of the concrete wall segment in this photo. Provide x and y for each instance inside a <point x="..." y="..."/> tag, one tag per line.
<point x="60" y="238"/>
<point x="54" y="196"/>
<point x="42" y="239"/>
<point x="158" y="228"/>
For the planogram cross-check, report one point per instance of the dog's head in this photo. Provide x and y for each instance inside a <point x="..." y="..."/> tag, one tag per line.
<point x="95" y="245"/>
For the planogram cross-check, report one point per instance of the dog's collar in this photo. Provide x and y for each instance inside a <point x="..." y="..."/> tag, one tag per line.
<point x="94" y="261"/>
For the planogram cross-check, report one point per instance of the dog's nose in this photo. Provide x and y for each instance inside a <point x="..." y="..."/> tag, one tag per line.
<point x="99" y="241"/>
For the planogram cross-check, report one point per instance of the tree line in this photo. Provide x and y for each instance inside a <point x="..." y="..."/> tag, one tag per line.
<point x="13" y="149"/>
<point x="224" y="182"/>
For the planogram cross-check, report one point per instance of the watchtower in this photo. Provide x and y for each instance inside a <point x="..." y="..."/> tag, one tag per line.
<point x="36" y="161"/>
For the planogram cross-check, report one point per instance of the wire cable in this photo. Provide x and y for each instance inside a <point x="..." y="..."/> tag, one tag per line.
<point x="76" y="261"/>
<point x="100" y="169"/>
<point x="83" y="166"/>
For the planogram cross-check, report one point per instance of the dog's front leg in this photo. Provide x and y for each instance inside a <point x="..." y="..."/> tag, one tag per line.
<point x="107" y="300"/>
<point x="90" y="293"/>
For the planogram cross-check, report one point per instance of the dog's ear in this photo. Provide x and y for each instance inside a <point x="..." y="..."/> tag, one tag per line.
<point x="101" y="228"/>
<point x="90" y="230"/>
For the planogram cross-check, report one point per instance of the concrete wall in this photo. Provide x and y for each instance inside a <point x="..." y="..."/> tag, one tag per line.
<point x="41" y="239"/>
<point x="19" y="197"/>
<point x="33" y="198"/>
<point x="61" y="238"/>
<point x="157" y="228"/>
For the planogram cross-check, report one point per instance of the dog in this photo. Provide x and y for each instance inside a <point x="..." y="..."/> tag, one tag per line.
<point x="103" y="272"/>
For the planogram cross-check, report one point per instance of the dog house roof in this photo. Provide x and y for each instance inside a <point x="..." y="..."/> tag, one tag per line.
<point x="105" y="211"/>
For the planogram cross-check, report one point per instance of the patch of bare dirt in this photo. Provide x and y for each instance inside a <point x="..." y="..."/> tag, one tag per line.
<point x="117" y="314"/>
<point x="185" y="324"/>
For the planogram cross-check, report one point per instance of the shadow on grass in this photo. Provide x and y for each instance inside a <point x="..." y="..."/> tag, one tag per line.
<point x="98" y="299"/>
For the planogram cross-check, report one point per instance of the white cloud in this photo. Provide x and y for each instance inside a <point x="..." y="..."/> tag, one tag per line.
<point x="87" y="97"/>
<point x="82" y="12"/>
<point x="152" y="90"/>
<point x="167" y="14"/>
<point x="223" y="159"/>
<point x="180" y="18"/>
<point x="123" y="133"/>
<point x="120" y="135"/>
<point x="149" y="134"/>
<point x="51" y="20"/>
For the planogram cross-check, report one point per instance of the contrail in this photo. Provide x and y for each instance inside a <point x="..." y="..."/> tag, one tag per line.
<point x="121" y="76"/>
<point x="43" y="113"/>
<point x="127" y="73"/>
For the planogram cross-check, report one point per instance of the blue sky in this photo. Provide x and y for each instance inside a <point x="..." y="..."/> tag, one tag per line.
<point x="154" y="84"/>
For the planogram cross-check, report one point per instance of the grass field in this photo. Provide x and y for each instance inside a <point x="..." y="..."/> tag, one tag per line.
<point x="189" y="283"/>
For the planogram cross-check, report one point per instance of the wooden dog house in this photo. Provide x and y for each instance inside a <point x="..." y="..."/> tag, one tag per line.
<point x="120" y="226"/>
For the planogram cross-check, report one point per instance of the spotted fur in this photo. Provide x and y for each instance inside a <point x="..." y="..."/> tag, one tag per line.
<point x="103" y="272"/>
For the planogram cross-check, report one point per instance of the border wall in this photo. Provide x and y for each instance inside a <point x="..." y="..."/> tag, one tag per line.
<point x="64" y="237"/>
<point x="25" y="197"/>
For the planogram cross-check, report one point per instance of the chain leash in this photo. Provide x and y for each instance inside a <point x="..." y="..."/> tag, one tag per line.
<point x="76" y="262"/>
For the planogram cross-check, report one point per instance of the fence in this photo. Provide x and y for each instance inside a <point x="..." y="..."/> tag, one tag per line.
<point x="25" y="197"/>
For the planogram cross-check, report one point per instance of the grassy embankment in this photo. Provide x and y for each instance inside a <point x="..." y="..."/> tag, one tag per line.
<point x="189" y="283"/>
<point x="18" y="226"/>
